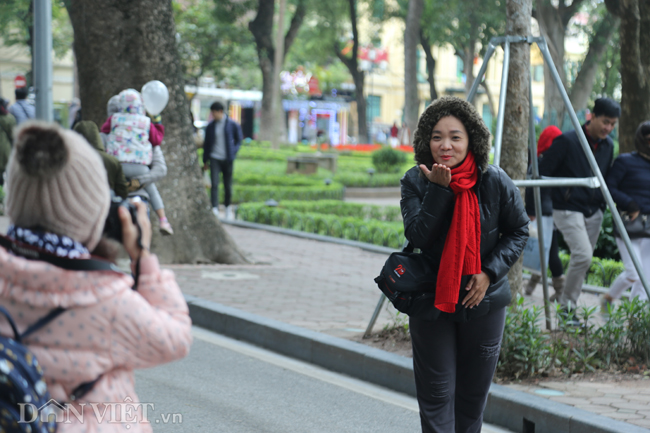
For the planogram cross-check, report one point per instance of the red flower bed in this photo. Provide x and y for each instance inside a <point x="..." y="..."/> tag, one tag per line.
<point x="362" y="147"/>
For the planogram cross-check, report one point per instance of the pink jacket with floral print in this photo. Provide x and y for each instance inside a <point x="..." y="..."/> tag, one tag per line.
<point x="108" y="329"/>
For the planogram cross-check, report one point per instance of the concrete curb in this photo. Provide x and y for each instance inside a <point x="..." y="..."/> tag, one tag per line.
<point x="515" y="410"/>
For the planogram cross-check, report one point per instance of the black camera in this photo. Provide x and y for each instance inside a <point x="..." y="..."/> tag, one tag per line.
<point x="113" y="226"/>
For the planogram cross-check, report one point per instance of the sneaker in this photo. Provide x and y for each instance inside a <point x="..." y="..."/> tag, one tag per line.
<point x="165" y="227"/>
<point x="215" y="211"/>
<point x="569" y="317"/>
<point x="229" y="213"/>
<point x="605" y="304"/>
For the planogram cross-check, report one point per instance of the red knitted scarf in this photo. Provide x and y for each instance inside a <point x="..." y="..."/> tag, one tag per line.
<point x="462" y="252"/>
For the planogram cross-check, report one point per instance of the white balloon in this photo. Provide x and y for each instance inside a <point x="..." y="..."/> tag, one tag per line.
<point x="155" y="97"/>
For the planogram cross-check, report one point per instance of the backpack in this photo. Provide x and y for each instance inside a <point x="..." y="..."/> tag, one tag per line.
<point x="21" y="381"/>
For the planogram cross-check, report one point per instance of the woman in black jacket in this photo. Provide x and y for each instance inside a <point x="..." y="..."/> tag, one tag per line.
<point x="469" y="221"/>
<point x="628" y="181"/>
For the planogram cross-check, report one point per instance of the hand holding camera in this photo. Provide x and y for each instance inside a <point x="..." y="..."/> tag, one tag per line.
<point x="129" y="224"/>
<point x="132" y="230"/>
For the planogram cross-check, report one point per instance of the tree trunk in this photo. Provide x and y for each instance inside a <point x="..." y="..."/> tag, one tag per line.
<point x="553" y="29"/>
<point x="262" y="29"/>
<point x="126" y="44"/>
<point x="411" y="41"/>
<point x="635" y="67"/>
<point x="584" y="83"/>
<point x="516" y="122"/>
<point x="493" y="112"/>
<point x="359" y="79"/>
<point x="431" y="66"/>
<point x="277" y="114"/>
<point x="468" y="63"/>
<point x="352" y="63"/>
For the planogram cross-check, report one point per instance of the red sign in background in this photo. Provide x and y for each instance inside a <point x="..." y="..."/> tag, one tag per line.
<point x="20" y="81"/>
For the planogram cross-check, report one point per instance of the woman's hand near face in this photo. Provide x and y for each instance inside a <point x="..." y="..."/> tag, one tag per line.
<point x="476" y="287"/>
<point x="439" y="174"/>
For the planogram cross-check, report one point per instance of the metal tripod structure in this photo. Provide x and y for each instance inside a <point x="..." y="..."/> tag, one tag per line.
<point x="537" y="181"/>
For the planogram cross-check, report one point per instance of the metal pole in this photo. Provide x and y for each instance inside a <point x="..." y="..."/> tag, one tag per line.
<point x="594" y="166"/>
<point x="502" y="104"/>
<point x="43" y="59"/>
<point x="373" y="319"/>
<point x="488" y="54"/>
<point x="552" y="182"/>
<point x="538" y="205"/>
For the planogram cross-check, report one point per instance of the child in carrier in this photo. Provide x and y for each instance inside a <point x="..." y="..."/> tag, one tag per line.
<point x="131" y="138"/>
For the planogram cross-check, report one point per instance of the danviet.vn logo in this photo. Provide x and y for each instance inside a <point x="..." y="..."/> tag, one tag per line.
<point x="126" y="412"/>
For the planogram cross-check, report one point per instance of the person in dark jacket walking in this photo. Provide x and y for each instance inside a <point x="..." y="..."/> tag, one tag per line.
<point x="578" y="211"/>
<point x="469" y="221"/>
<point x="223" y="137"/>
<point x="547" y="136"/>
<point x="629" y="183"/>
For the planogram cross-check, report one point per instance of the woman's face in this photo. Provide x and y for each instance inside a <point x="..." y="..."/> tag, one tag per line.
<point x="449" y="142"/>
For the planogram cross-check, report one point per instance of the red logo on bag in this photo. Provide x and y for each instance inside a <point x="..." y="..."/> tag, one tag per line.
<point x="400" y="270"/>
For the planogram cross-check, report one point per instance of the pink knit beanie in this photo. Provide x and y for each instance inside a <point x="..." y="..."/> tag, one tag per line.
<point x="57" y="181"/>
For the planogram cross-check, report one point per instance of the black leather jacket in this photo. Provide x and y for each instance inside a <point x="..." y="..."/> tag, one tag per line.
<point x="427" y="210"/>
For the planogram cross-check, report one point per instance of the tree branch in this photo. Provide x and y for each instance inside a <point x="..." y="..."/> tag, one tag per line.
<point x="567" y="12"/>
<point x="614" y="7"/>
<point x="262" y="27"/>
<point x="296" y="22"/>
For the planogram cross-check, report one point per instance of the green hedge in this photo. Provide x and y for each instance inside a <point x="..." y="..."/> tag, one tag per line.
<point x="257" y="193"/>
<point x="345" y="209"/>
<point x="602" y="272"/>
<point x="384" y="233"/>
<point x="363" y="179"/>
<point x="280" y="180"/>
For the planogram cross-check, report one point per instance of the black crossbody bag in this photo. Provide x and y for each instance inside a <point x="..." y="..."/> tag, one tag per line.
<point x="409" y="283"/>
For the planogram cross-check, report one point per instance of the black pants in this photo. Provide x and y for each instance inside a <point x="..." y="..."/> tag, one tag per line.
<point x="454" y="364"/>
<point x="554" y="261"/>
<point x="220" y="166"/>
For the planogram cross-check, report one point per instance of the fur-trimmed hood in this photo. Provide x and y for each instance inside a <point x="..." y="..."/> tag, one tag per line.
<point x="479" y="134"/>
<point x="640" y="141"/>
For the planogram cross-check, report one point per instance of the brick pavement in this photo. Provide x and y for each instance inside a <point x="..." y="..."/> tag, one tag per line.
<point x="328" y="288"/>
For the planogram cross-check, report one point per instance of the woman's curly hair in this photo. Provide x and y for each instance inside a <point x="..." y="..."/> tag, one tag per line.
<point x="479" y="134"/>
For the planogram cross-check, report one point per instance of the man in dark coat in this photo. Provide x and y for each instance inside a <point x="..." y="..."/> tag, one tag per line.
<point x="223" y="137"/>
<point x="578" y="211"/>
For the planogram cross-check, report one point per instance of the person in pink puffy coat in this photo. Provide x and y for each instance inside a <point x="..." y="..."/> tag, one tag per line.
<point x="57" y="200"/>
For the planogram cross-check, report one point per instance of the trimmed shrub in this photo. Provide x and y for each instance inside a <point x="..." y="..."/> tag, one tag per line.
<point x="257" y="193"/>
<point x="388" y="160"/>
<point x="345" y="209"/>
<point x="384" y="233"/>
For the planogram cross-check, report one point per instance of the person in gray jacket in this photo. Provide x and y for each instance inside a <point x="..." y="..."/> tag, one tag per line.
<point x="21" y="109"/>
<point x="469" y="221"/>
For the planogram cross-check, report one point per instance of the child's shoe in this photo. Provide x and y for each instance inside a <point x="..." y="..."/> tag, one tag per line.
<point x="165" y="227"/>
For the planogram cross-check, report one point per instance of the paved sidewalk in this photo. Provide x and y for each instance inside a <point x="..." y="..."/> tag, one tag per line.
<point x="329" y="288"/>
